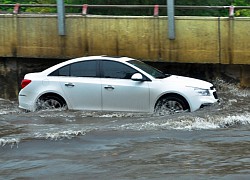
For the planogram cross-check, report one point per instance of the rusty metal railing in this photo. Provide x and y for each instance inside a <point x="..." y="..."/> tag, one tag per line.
<point x="60" y="6"/>
<point x="125" y="6"/>
<point x="85" y="7"/>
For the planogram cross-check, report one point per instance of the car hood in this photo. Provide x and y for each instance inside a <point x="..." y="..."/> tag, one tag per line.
<point x="186" y="81"/>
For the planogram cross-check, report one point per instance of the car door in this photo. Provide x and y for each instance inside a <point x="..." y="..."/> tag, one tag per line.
<point x="82" y="87"/>
<point x="119" y="92"/>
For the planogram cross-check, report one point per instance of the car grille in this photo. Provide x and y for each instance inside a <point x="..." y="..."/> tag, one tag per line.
<point x="215" y="95"/>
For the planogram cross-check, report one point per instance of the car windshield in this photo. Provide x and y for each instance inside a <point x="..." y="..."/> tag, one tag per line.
<point x="148" y="69"/>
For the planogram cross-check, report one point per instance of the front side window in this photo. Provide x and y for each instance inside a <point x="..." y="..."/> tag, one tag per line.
<point x="112" y="69"/>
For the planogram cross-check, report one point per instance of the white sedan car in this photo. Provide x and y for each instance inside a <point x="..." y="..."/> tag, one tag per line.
<point x="102" y="83"/>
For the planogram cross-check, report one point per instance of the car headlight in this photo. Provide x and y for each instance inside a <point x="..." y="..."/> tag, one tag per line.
<point x="202" y="92"/>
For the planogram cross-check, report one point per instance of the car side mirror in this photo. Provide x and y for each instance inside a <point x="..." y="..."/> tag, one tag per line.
<point x="137" y="77"/>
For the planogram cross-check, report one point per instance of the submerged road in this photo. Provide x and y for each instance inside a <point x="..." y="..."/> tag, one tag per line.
<point x="210" y="143"/>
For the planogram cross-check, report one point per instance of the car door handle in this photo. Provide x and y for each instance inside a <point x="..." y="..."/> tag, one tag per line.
<point x="69" y="84"/>
<point x="109" y="87"/>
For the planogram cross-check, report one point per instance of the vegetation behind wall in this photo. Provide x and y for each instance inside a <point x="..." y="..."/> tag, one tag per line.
<point x="141" y="11"/>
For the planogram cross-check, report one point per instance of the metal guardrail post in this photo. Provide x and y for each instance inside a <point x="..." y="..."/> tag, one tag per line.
<point x="171" y="21"/>
<point x="61" y="17"/>
<point x="231" y="11"/>
<point x="85" y="9"/>
<point x="156" y="10"/>
<point x="16" y="8"/>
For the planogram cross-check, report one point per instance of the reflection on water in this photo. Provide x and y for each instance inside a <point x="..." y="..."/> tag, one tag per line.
<point x="210" y="143"/>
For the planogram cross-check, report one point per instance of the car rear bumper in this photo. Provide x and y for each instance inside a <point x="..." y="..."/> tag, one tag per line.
<point x="24" y="103"/>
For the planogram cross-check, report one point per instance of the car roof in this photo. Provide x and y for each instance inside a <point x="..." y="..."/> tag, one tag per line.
<point x="103" y="57"/>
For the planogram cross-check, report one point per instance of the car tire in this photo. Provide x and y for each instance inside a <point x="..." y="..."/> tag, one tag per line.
<point x="172" y="104"/>
<point x="50" y="102"/>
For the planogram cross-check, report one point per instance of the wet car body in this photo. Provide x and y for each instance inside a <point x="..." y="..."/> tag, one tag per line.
<point x="101" y="83"/>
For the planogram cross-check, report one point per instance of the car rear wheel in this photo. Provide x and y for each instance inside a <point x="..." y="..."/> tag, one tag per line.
<point x="171" y="105"/>
<point x="51" y="102"/>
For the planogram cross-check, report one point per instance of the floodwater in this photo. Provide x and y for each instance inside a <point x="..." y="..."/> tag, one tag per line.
<point x="212" y="143"/>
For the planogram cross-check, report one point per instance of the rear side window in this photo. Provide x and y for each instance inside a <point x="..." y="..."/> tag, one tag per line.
<point x="79" y="69"/>
<point x="63" y="71"/>
<point x="83" y="69"/>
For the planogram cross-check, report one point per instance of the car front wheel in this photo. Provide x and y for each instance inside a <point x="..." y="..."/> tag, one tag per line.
<point x="171" y="105"/>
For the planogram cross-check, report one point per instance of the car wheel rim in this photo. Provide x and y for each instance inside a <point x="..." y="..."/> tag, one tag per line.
<point x="170" y="107"/>
<point x="52" y="104"/>
<point x="49" y="104"/>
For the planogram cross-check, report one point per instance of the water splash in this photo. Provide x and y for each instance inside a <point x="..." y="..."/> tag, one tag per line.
<point x="58" y="132"/>
<point x="57" y="124"/>
<point x="232" y="88"/>
<point x="189" y="123"/>
<point x="8" y="107"/>
<point x="59" y="135"/>
<point x="11" y="141"/>
<point x="236" y="120"/>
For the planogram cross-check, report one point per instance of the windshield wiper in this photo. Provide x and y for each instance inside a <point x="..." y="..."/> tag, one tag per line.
<point x="165" y="76"/>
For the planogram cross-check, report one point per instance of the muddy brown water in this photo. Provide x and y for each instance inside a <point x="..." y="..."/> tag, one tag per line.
<point x="213" y="142"/>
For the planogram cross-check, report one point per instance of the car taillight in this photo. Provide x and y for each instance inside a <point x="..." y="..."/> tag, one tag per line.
<point x="25" y="82"/>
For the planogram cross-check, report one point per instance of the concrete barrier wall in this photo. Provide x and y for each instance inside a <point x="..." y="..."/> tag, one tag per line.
<point x="198" y="39"/>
